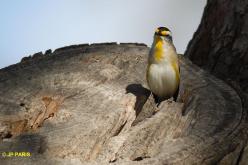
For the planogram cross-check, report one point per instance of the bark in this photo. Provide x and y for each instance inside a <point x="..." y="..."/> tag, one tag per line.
<point x="220" y="46"/>
<point x="220" y="43"/>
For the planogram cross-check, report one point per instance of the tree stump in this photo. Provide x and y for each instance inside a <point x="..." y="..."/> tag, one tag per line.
<point x="89" y="104"/>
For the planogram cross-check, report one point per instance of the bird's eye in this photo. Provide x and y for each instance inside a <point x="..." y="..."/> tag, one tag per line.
<point x="169" y="37"/>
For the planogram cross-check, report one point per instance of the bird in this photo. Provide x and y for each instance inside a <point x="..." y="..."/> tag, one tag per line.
<point x="163" y="72"/>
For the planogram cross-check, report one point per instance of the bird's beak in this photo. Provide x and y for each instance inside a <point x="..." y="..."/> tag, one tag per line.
<point x="157" y="32"/>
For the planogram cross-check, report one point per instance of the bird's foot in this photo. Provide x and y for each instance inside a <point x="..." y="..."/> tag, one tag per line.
<point x="170" y="100"/>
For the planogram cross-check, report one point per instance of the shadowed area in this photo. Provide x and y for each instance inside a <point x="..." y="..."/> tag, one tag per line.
<point x="141" y="94"/>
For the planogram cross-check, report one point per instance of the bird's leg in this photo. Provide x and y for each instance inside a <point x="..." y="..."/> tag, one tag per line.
<point x="176" y="95"/>
<point x="156" y="99"/>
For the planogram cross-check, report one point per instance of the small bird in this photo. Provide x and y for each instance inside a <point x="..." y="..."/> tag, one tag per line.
<point x="163" y="75"/>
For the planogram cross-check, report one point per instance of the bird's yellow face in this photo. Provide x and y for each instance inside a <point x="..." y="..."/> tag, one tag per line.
<point x="162" y="36"/>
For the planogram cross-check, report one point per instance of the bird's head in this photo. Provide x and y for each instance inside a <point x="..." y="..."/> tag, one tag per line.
<point x="163" y="33"/>
<point x="162" y="42"/>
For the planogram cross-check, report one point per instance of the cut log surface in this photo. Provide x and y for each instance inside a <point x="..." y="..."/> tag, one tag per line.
<point x="89" y="104"/>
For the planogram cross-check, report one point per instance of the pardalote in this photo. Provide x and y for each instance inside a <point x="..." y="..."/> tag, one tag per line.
<point x="162" y="74"/>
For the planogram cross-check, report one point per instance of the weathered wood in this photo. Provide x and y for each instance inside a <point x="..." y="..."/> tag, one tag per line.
<point x="90" y="105"/>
